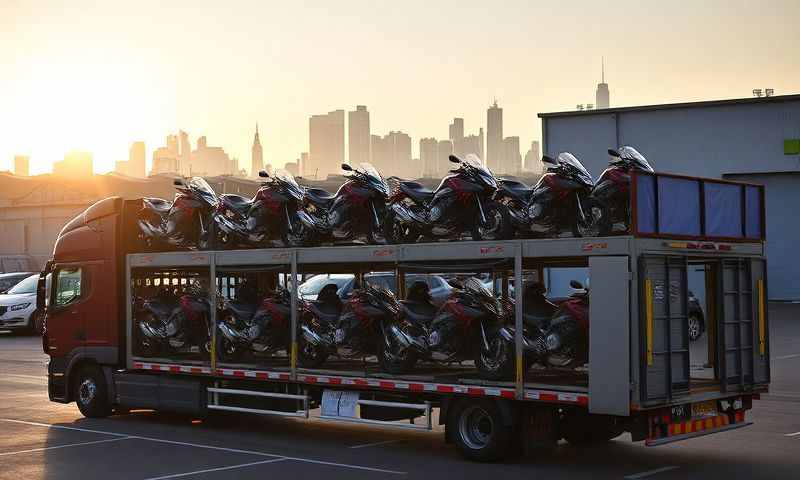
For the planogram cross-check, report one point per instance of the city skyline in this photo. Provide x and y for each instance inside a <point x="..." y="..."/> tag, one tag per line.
<point x="88" y="77"/>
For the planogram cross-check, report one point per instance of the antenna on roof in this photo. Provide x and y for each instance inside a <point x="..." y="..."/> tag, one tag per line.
<point x="602" y="70"/>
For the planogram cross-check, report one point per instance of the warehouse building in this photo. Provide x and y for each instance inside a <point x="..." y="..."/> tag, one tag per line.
<point x="752" y="140"/>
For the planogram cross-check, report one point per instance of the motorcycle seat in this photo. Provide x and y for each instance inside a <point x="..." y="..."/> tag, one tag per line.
<point x="158" y="204"/>
<point x="419" y="313"/>
<point x="416" y="191"/>
<point x="241" y="310"/>
<point x="235" y="202"/>
<point x="518" y="189"/>
<point x="324" y="312"/>
<point x="319" y="196"/>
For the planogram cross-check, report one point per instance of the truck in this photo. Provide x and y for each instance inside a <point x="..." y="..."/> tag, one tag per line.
<point x="641" y="374"/>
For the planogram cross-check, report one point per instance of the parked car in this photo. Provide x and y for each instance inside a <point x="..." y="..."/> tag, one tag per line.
<point x="8" y="280"/>
<point x="697" y="320"/>
<point x="18" y="307"/>
<point x="309" y="289"/>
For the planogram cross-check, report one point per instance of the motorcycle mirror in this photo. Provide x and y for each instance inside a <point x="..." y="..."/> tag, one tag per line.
<point x="613" y="152"/>
<point x="263" y="174"/>
<point x="178" y="182"/>
<point x="576" y="284"/>
<point x="347" y="168"/>
<point x="548" y="159"/>
<point x="454" y="159"/>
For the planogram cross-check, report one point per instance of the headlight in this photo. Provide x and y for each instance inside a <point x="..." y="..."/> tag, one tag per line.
<point x="553" y="341"/>
<point x="21" y="306"/>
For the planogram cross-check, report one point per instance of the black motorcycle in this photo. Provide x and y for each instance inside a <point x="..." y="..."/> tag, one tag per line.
<point x="467" y="327"/>
<point x="357" y="209"/>
<point x="185" y="222"/>
<point x="460" y="204"/>
<point x="259" y="327"/>
<point x="172" y="323"/>
<point x="554" y="335"/>
<point x="611" y="196"/>
<point x="558" y="204"/>
<point x="269" y="218"/>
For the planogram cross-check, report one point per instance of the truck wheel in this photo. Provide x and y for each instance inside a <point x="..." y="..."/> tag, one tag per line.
<point x="91" y="392"/>
<point x="477" y="429"/>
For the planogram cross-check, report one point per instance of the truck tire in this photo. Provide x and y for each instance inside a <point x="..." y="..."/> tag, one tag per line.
<point x="476" y="427"/>
<point x="91" y="392"/>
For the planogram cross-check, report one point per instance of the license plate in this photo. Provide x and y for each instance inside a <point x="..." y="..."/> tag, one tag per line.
<point x="704" y="409"/>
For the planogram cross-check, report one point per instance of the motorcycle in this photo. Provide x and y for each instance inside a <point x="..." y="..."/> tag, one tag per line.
<point x="557" y="204"/>
<point x="461" y="203"/>
<point x="561" y="340"/>
<point x="316" y="336"/>
<point x="183" y="223"/>
<point x="611" y="195"/>
<point x="357" y="208"/>
<point x="170" y="323"/>
<point x="268" y="218"/>
<point x="258" y="327"/>
<point x="466" y="327"/>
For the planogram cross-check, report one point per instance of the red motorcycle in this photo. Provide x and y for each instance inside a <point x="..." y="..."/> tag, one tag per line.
<point x="610" y="199"/>
<point x="258" y="327"/>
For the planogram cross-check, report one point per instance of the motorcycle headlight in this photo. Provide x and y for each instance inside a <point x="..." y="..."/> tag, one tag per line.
<point x="553" y="341"/>
<point x="21" y="306"/>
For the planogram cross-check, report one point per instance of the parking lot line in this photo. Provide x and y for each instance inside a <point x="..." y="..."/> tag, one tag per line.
<point x="649" y="473"/>
<point x="219" y="469"/>
<point x="210" y="447"/>
<point x="795" y="434"/>
<point x="374" y="444"/>
<point x="42" y="449"/>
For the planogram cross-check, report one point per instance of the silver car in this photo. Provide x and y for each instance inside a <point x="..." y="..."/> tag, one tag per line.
<point x="18" y="307"/>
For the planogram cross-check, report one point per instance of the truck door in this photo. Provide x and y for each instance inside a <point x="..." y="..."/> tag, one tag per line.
<point x="743" y="353"/>
<point x="66" y="328"/>
<point x="664" y="337"/>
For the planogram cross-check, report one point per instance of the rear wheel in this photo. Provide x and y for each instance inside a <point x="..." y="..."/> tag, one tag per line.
<point x="476" y="426"/>
<point x="91" y="392"/>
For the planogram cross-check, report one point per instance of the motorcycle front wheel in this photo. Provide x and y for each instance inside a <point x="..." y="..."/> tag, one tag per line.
<point x="498" y="223"/>
<point x="145" y="346"/>
<point x="300" y="236"/>
<point x="392" y="360"/>
<point x="228" y="351"/>
<point x="400" y="233"/>
<point x="310" y="355"/>
<point x="496" y="363"/>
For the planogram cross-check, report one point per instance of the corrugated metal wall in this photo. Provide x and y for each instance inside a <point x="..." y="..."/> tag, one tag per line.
<point x="707" y="141"/>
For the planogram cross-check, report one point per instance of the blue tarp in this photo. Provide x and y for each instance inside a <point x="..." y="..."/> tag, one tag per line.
<point x="678" y="206"/>
<point x="723" y="210"/>
<point x="646" y="204"/>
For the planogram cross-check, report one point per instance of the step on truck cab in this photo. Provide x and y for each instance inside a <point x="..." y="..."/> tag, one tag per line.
<point x="633" y="367"/>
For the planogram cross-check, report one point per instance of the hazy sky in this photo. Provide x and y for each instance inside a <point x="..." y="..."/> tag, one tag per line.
<point x="98" y="75"/>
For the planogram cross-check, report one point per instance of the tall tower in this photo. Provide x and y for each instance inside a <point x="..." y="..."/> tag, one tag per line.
<point x="602" y="95"/>
<point x="136" y="160"/>
<point x="358" y="139"/>
<point x="257" y="155"/>
<point x="494" y="138"/>
<point x="326" y="145"/>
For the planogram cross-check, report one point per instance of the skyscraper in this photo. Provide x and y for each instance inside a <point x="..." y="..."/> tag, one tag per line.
<point x="494" y="138"/>
<point x="358" y="139"/>
<point x="457" y="129"/>
<point x="136" y="160"/>
<point x="471" y="144"/>
<point x="443" y="151"/>
<point x="184" y="153"/>
<point x="22" y="165"/>
<point x="602" y="96"/>
<point x="76" y="164"/>
<point x="257" y="156"/>
<point x="326" y="144"/>
<point x="532" y="158"/>
<point x="428" y="155"/>
<point x="511" y="155"/>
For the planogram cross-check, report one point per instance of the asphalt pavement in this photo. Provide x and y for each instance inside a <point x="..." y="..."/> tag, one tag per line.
<point x="40" y="439"/>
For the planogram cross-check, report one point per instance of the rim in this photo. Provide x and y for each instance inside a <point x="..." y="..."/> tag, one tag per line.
<point x="475" y="427"/>
<point x="494" y="220"/>
<point x="492" y="360"/>
<point x="694" y="327"/>
<point x="87" y="391"/>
